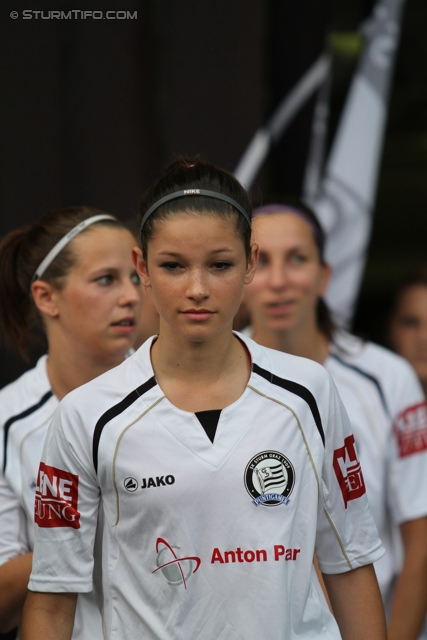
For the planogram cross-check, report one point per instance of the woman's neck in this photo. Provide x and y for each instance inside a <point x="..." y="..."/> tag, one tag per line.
<point x="308" y="343"/>
<point x="192" y="358"/>
<point x="68" y="371"/>
<point x="198" y="376"/>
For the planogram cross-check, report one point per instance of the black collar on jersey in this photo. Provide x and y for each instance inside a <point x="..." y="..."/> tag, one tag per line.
<point x="127" y="401"/>
<point x="116" y="410"/>
<point x="297" y="389"/>
<point x="195" y="192"/>
<point x="21" y="416"/>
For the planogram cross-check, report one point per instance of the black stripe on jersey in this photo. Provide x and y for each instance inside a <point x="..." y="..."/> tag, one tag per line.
<point x="20" y="416"/>
<point x="115" y="411"/>
<point x="298" y="390"/>
<point x="367" y="375"/>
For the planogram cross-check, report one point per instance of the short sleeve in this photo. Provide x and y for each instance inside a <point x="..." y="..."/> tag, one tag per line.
<point x="407" y="464"/>
<point x="66" y="507"/>
<point x="13" y="524"/>
<point x="347" y="537"/>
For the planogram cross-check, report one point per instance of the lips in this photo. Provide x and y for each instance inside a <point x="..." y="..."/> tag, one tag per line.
<point x="280" y="307"/>
<point x="125" y="325"/>
<point x="126" y="322"/>
<point x="198" y="314"/>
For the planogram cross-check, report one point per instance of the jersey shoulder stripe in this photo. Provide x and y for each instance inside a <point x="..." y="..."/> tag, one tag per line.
<point x="20" y="416"/>
<point x="116" y="410"/>
<point x="297" y="389"/>
<point x="366" y="375"/>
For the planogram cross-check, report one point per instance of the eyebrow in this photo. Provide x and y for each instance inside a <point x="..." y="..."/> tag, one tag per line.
<point x="179" y="255"/>
<point x="103" y="270"/>
<point x="297" y="247"/>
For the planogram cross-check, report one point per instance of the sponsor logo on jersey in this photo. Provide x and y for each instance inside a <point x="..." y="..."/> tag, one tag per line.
<point x="158" y="481"/>
<point x="130" y="484"/>
<point x="411" y="430"/>
<point x="348" y="471"/>
<point x="278" y="552"/>
<point x="269" y="479"/>
<point x="175" y="568"/>
<point x="56" y="498"/>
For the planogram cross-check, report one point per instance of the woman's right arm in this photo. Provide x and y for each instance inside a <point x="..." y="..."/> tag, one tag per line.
<point x="356" y="603"/>
<point x="15" y="559"/>
<point x="14" y="576"/>
<point x="49" y="616"/>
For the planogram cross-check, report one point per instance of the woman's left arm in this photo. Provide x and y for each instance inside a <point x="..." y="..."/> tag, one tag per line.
<point x="409" y="604"/>
<point x="356" y="603"/>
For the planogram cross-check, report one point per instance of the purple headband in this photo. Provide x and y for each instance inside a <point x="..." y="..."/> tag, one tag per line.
<point x="283" y="208"/>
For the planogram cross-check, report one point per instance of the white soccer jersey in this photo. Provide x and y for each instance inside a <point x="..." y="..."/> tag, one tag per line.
<point x="26" y="409"/>
<point x="385" y="403"/>
<point x="204" y="540"/>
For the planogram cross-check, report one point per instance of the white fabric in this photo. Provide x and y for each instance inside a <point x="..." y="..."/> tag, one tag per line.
<point x="256" y="577"/>
<point x="378" y="387"/>
<point x="346" y="197"/>
<point x="25" y="439"/>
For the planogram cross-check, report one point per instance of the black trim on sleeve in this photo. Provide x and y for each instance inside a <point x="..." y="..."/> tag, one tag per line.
<point x="366" y="375"/>
<point x="116" y="410"/>
<point x="298" y="390"/>
<point x="20" y="416"/>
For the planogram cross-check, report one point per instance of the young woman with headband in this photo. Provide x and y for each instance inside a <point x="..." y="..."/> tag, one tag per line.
<point x="216" y="461"/>
<point x="379" y="389"/>
<point x="71" y="275"/>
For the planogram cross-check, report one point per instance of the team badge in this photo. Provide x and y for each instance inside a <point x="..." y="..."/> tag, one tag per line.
<point x="269" y="479"/>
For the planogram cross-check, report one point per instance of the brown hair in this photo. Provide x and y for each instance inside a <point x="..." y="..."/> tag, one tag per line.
<point x="417" y="277"/>
<point x="194" y="173"/>
<point x="21" y="252"/>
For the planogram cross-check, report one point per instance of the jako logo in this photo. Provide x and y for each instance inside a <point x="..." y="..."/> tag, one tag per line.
<point x="158" y="481"/>
<point x="130" y="484"/>
<point x="56" y="498"/>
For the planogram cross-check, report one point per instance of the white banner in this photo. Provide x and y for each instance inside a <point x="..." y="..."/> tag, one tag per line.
<point x="346" y="197"/>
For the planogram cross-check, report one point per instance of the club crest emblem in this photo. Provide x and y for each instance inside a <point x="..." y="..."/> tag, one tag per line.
<point x="269" y="479"/>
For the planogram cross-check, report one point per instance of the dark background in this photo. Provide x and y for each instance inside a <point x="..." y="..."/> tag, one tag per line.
<point x="93" y="109"/>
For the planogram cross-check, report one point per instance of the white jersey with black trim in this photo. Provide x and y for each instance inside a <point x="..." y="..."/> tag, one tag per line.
<point x="204" y="540"/>
<point x="387" y="409"/>
<point x="26" y="409"/>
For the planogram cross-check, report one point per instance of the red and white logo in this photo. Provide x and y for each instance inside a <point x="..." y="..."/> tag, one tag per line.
<point x="411" y="430"/>
<point x="348" y="471"/>
<point x="176" y="569"/>
<point x="56" y="498"/>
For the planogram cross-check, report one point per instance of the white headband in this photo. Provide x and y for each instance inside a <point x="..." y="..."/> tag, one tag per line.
<point x="57" y="248"/>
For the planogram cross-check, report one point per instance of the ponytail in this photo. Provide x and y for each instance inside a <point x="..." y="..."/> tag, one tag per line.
<point x="17" y="312"/>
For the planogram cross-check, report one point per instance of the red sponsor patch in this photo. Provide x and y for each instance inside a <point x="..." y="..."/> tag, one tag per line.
<point x="57" y="494"/>
<point x="411" y="430"/>
<point x="348" y="471"/>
